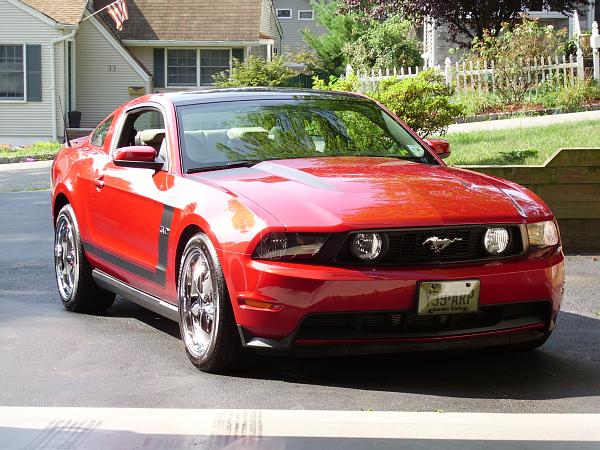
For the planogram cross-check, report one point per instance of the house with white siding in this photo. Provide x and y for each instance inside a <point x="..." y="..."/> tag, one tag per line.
<point x="57" y="55"/>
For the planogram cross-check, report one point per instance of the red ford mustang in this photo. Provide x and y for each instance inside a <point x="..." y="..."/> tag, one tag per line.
<point x="293" y="220"/>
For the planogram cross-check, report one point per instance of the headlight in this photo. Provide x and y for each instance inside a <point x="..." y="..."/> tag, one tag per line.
<point x="542" y="234"/>
<point x="496" y="240"/>
<point x="286" y="246"/>
<point x="366" y="246"/>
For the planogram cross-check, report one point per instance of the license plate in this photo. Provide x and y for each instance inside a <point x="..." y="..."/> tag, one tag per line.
<point x="448" y="297"/>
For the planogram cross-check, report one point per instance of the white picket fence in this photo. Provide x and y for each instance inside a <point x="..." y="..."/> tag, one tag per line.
<point x="482" y="75"/>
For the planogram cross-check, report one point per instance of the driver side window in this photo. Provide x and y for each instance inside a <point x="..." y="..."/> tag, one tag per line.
<point x="145" y="127"/>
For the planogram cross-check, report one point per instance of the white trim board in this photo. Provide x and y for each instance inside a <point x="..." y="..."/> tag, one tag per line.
<point x="175" y="43"/>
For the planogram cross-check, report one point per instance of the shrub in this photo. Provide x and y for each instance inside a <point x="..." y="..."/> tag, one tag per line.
<point x="570" y="97"/>
<point x="384" y="45"/>
<point x="424" y="102"/>
<point x="311" y="62"/>
<point x="256" y="71"/>
<point x="347" y="84"/>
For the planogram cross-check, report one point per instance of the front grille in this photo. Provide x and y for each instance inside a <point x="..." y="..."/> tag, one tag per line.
<point x="406" y="247"/>
<point x="397" y="324"/>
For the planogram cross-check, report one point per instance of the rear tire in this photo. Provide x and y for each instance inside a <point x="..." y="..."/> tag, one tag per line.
<point x="78" y="290"/>
<point x="207" y="324"/>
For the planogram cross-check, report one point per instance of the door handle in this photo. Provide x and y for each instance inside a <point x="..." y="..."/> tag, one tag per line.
<point x="99" y="182"/>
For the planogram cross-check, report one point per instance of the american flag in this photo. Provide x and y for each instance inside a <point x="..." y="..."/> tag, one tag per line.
<point x="118" y="12"/>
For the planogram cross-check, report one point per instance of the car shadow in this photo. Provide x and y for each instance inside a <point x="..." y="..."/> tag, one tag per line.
<point x="567" y="366"/>
<point x="123" y="308"/>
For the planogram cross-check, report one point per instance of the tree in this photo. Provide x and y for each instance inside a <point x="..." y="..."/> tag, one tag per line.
<point x="384" y="45"/>
<point x="468" y="18"/>
<point x="341" y="29"/>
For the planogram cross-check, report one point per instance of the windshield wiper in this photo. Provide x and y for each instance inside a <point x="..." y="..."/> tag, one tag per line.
<point x="230" y="165"/>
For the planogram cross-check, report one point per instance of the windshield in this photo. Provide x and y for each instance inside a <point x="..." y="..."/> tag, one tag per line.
<point x="221" y="134"/>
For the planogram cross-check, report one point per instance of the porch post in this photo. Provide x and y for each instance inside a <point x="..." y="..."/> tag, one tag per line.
<point x="595" y="42"/>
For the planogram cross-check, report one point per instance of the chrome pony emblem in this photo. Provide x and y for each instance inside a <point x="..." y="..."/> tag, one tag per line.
<point x="437" y="245"/>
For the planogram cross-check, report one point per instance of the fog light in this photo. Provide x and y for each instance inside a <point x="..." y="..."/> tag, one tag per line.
<point x="496" y="240"/>
<point x="366" y="246"/>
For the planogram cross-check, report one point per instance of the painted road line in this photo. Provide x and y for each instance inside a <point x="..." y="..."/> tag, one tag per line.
<point x="116" y="428"/>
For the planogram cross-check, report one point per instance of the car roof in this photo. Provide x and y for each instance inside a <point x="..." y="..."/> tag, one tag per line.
<point x="254" y="93"/>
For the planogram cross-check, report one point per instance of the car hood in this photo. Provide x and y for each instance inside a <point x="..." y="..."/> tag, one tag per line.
<point x="365" y="192"/>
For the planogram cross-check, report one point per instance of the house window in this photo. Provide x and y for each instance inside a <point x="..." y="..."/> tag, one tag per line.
<point x="284" y="13"/>
<point x="182" y="67"/>
<point x="307" y="14"/>
<point x="213" y="62"/>
<point x="12" y="72"/>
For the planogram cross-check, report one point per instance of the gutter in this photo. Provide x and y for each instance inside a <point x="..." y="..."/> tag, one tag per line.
<point x="53" y="73"/>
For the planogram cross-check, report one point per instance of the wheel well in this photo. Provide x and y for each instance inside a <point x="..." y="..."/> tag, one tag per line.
<point x="61" y="200"/>
<point x="185" y="236"/>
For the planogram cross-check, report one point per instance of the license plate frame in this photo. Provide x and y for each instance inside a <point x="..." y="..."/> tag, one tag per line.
<point x="436" y="298"/>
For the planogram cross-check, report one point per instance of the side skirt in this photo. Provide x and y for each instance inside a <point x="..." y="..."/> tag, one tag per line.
<point x="136" y="296"/>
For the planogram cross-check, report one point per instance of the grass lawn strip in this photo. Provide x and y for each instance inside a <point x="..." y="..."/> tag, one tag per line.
<point x="39" y="150"/>
<point x="528" y="146"/>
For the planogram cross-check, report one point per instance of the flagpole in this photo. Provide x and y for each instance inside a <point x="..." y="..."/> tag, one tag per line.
<point x="99" y="11"/>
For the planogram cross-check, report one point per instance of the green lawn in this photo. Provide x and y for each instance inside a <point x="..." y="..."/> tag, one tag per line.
<point x="37" y="149"/>
<point x="522" y="145"/>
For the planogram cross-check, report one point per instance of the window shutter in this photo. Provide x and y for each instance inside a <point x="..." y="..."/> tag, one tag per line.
<point x="34" y="72"/>
<point x="159" y="67"/>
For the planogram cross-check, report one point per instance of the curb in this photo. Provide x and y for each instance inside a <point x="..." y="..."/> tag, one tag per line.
<point x="22" y="159"/>
<point x="527" y="113"/>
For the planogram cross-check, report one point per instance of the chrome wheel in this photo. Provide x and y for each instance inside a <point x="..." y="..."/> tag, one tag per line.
<point x="199" y="297"/>
<point x="66" y="260"/>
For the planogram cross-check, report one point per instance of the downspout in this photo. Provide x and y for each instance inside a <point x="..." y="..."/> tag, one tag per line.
<point x="53" y="79"/>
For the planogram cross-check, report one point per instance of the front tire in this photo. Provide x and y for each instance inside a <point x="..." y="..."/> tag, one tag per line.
<point x="78" y="290"/>
<point x="206" y="323"/>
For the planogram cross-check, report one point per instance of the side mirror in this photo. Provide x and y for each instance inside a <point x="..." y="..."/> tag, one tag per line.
<point x="137" y="156"/>
<point x="440" y="146"/>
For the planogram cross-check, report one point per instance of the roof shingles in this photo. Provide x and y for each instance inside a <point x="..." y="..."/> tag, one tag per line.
<point x="68" y="12"/>
<point x="189" y="20"/>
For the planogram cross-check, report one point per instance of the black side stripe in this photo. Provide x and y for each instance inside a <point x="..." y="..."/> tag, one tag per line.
<point x="163" y="244"/>
<point x="158" y="275"/>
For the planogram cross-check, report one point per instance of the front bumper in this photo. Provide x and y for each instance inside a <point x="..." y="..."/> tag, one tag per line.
<point x="297" y="293"/>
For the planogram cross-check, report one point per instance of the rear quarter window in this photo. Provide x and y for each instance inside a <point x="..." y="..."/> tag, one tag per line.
<point x="99" y="134"/>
